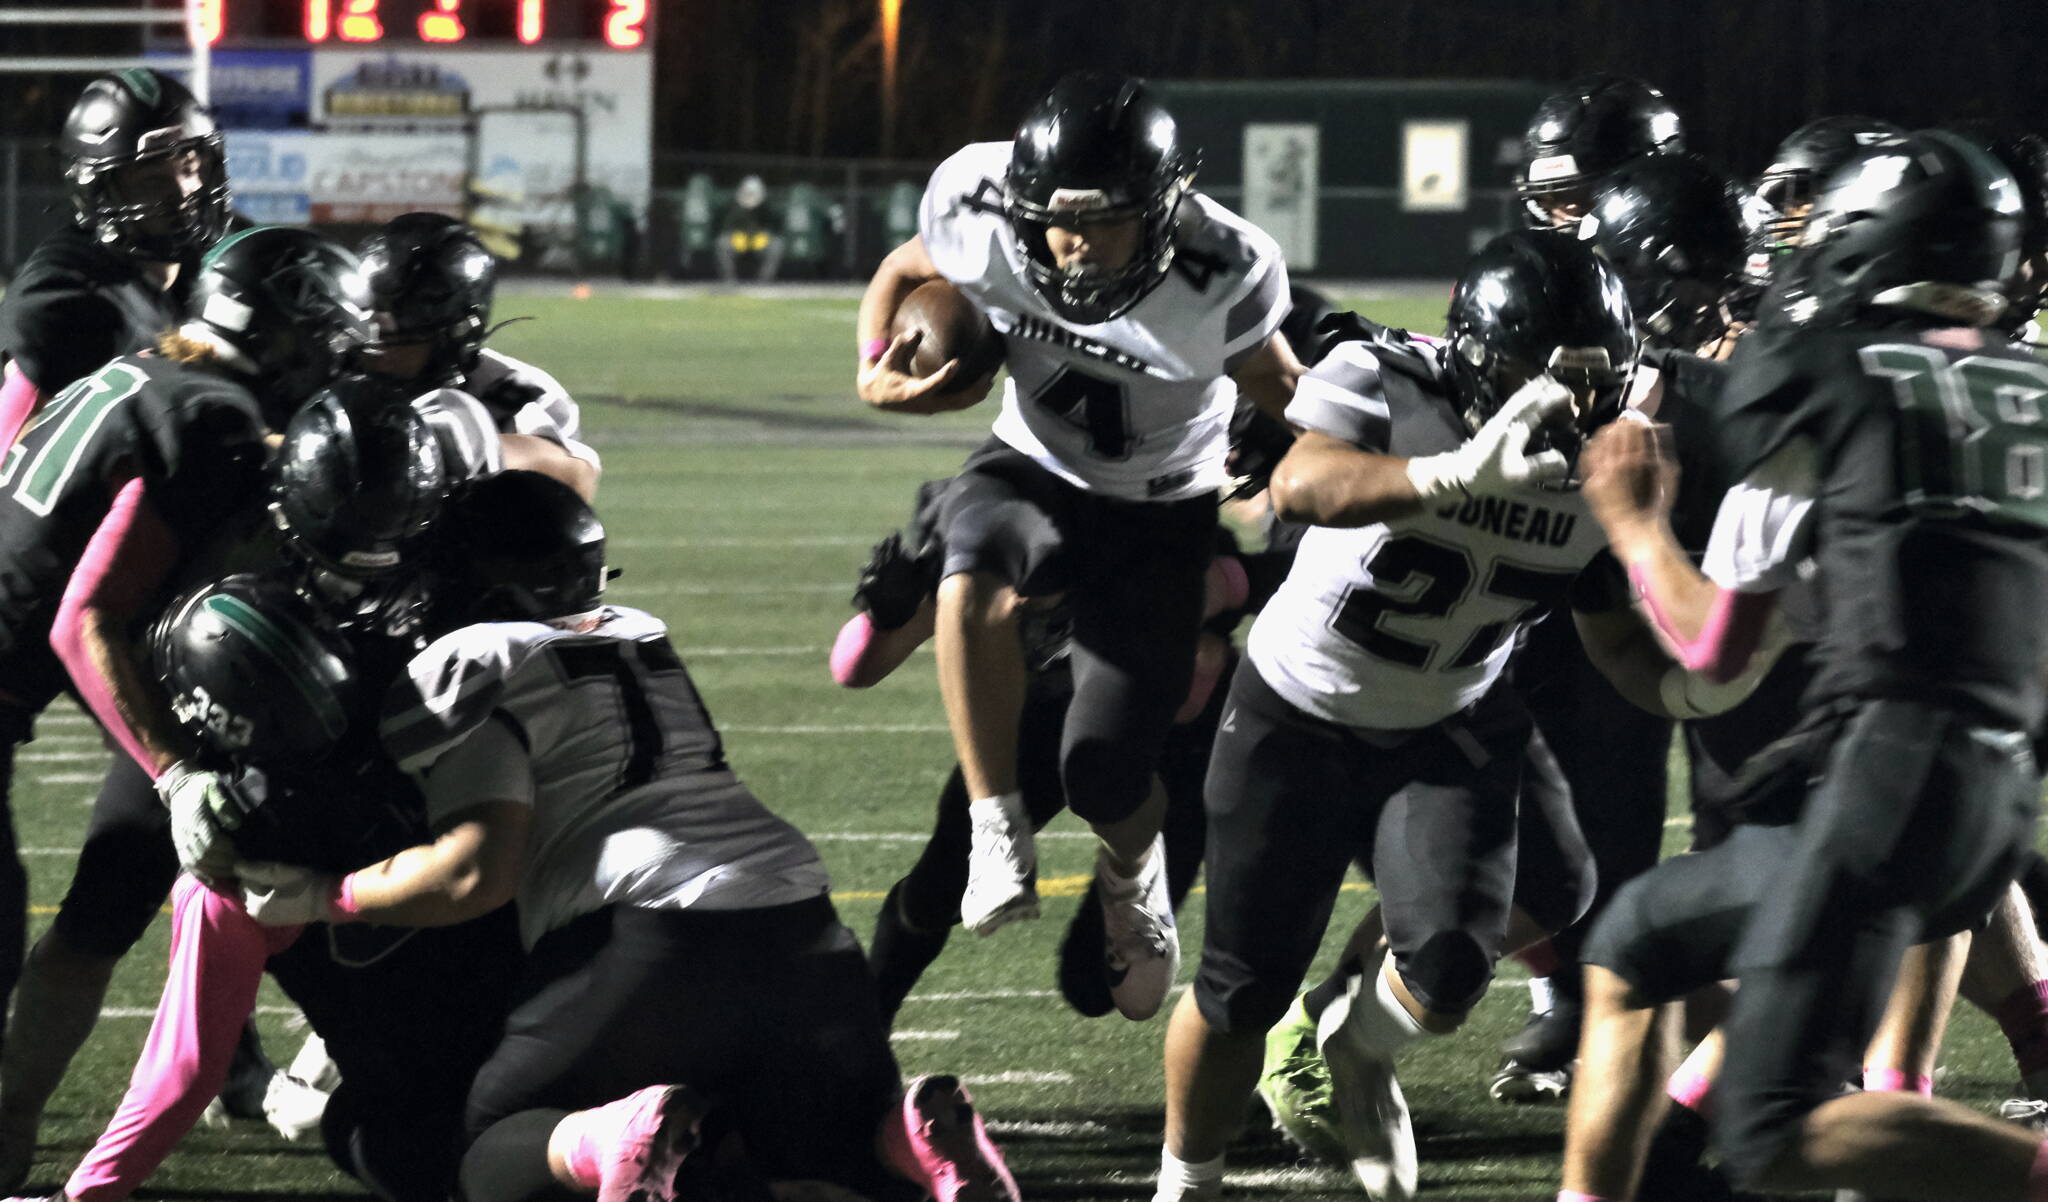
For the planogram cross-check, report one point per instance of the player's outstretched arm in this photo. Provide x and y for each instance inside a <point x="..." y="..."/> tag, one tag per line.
<point x="532" y="453"/>
<point x="1268" y="375"/>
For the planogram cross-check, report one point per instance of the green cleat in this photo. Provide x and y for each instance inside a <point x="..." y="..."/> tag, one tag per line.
<point x="1296" y="1088"/>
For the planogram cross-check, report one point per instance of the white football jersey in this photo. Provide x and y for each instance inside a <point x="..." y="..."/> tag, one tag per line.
<point x="527" y="400"/>
<point x="632" y="800"/>
<point x="1401" y="624"/>
<point x="1138" y="407"/>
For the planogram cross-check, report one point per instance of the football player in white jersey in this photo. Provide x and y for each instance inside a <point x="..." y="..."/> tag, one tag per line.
<point x="688" y="978"/>
<point x="1137" y="316"/>
<point x="1370" y="716"/>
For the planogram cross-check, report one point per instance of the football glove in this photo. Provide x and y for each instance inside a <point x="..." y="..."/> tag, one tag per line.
<point x="1497" y="458"/>
<point x="893" y="583"/>
<point x="204" y="811"/>
<point x="284" y="895"/>
<point x="1257" y="445"/>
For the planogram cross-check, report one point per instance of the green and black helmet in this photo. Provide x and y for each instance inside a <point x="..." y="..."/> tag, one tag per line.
<point x="289" y="307"/>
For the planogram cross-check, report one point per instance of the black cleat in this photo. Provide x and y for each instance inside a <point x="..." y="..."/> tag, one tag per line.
<point x="1547" y="1043"/>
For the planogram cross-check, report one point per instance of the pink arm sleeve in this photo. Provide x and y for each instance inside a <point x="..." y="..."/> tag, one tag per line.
<point x="18" y="400"/>
<point x="127" y="558"/>
<point x="1730" y="635"/>
<point x="217" y="958"/>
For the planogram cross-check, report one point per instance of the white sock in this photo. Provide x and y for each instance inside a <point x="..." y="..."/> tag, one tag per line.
<point x="1177" y="1177"/>
<point x="1003" y="809"/>
<point x="1542" y="995"/>
<point x="1378" y="1019"/>
<point x="1115" y="882"/>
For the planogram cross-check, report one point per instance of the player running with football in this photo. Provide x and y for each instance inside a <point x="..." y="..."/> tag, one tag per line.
<point x="1135" y="313"/>
<point x="1929" y="551"/>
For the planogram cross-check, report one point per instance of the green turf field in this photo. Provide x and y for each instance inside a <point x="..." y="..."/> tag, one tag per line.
<point x="743" y="485"/>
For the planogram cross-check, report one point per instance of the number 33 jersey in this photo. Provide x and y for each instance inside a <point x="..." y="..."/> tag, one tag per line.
<point x="1138" y="407"/>
<point x="1401" y="624"/>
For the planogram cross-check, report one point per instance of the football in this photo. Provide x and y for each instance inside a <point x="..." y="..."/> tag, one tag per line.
<point x="953" y="329"/>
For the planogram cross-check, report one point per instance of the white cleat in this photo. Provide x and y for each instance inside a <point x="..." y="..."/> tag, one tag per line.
<point x="314" y="1066"/>
<point x="1002" y="865"/>
<point x="1141" y="944"/>
<point x="292" y="1107"/>
<point x="1372" y="1116"/>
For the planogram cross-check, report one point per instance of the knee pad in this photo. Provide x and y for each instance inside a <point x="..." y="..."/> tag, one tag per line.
<point x="1449" y="973"/>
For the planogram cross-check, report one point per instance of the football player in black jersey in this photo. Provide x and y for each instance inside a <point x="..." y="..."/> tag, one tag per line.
<point x="147" y="178"/>
<point x="1580" y="133"/>
<point x="1671" y="225"/>
<point x="431" y="282"/>
<point x="1845" y="420"/>
<point x="1784" y="191"/>
<point x="111" y="491"/>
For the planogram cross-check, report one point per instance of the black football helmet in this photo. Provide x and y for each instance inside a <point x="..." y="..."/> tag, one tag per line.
<point x="253" y="673"/>
<point x="431" y="281"/>
<point x="1536" y="302"/>
<point x="290" y="307"/>
<point x="1579" y="134"/>
<point x="516" y="547"/>
<point x="1672" y="227"/>
<point x="2026" y="290"/>
<point x="1927" y="223"/>
<point x="1786" y="189"/>
<point x="1097" y="149"/>
<point x="358" y="481"/>
<point x="133" y="119"/>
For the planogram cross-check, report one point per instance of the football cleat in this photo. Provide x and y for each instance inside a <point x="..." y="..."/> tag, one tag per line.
<point x="1140" y="943"/>
<point x="939" y="1142"/>
<point x="1547" y="1043"/>
<point x="1372" y="1116"/>
<point x="2027" y="1112"/>
<point x="662" y="1130"/>
<point x="292" y="1107"/>
<point x="1518" y="1084"/>
<point x="1002" y="865"/>
<point x="1295" y="1086"/>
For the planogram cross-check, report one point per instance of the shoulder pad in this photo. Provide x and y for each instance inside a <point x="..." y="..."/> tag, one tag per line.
<point x="1396" y="349"/>
<point x="447" y="691"/>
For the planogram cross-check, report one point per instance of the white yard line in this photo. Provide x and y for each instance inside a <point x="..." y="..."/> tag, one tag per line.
<point x="1020" y="1078"/>
<point x="924" y="1036"/>
<point x="922" y="728"/>
<point x="99" y="754"/>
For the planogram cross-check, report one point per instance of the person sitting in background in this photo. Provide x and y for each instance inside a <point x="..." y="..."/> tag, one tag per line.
<point x="750" y="232"/>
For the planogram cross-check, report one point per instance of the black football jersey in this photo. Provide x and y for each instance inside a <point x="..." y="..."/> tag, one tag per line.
<point x="194" y="436"/>
<point x="1930" y="530"/>
<point x="76" y="304"/>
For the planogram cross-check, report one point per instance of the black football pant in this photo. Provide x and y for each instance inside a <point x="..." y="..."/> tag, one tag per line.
<point x="16" y="728"/>
<point x="926" y="900"/>
<point x="1917" y="826"/>
<point x="409" y="1017"/>
<point x="769" y="1014"/>
<point x="1613" y="758"/>
<point x="1133" y="575"/>
<point x="1292" y="799"/>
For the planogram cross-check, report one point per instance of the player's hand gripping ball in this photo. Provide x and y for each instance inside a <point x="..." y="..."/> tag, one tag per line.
<point x="943" y="355"/>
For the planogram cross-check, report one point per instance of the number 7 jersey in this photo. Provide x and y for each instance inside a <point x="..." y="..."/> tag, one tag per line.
<point x="1137" y="407"/>
<point x="1401" y="624"/>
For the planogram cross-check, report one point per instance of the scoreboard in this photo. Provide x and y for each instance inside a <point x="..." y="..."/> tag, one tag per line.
<point x="446" y="24"/>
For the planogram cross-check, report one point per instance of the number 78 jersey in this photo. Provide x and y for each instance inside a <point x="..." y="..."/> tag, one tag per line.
<point x="1137" y="407"/>
<point x="1400" y="624"/>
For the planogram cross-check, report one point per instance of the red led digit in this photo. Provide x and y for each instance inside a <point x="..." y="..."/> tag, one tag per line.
<point x="444" y="24"/>
<point x="209" y="18"/>
<point x="319" y="20"/>
<point x="625" y="25"/>
<point x="529" y="21"/>
<point x="359" y="21"/>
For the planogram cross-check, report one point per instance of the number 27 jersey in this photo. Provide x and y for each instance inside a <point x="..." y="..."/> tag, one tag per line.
<point x="1401" y="624"/>
<point x="1138" y="407"/>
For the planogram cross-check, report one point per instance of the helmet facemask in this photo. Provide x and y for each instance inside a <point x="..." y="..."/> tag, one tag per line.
<point x="1089" y="295"/>
<point x="142" y="204"/>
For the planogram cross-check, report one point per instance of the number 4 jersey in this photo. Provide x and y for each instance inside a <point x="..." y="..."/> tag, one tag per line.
<point x="1401" y="624"/>
<point x="1138" y="407"/>
<point x="1910" y="468"/>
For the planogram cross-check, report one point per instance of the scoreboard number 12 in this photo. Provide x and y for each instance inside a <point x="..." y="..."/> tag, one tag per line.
<point x="622" y="23"/>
